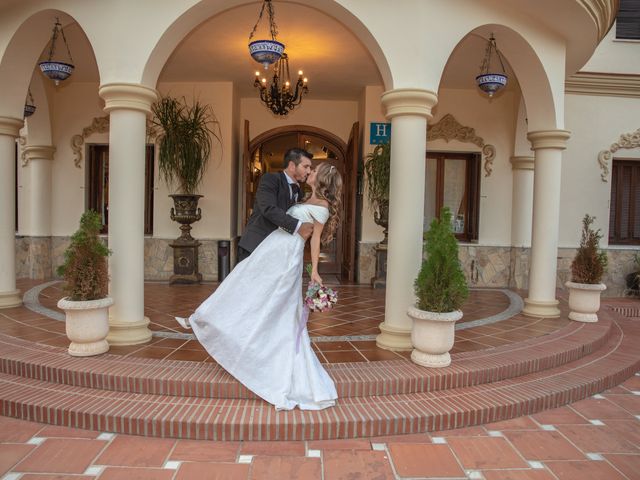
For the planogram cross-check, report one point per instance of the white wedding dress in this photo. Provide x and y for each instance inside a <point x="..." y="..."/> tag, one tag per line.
<point x="250" y="324"/>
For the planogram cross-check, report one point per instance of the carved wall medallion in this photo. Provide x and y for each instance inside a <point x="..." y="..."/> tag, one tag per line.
<point x="626" y="140"/>
<point x="449" y="129"/>
<point x="100" y="125"/>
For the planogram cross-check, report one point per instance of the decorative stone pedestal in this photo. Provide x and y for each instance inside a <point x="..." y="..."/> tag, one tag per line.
<point x="380" y="280"/>
<point x="185" y="262"/>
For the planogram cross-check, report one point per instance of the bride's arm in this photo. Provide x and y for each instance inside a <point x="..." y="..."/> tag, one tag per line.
<point x="315" y="251"/>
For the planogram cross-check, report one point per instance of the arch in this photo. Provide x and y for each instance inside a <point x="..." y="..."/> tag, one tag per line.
<point x="38" y="126"/>
<point x="303" y="129"/>
<point x="177" y="30"/>
<point x="543" y="103"/>
<point x="21" y="55"/>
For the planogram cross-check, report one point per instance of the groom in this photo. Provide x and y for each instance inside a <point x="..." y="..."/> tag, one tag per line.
<point x="276" y="193"/>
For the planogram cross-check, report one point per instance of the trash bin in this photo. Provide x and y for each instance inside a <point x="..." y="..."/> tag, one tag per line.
<point x="224" y="259"/>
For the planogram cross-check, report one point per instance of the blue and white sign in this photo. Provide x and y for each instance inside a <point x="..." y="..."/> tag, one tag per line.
<point x="379" y="133"/>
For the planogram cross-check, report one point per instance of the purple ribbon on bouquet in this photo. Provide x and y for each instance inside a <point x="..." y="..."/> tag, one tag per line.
<point x="301" y="324"/>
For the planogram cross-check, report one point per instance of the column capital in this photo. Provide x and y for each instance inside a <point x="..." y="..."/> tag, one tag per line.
<point x="408" y="101"/>
<point x="521" y="163"/>
<point x="556" y="139"/>
<point x="10" y="126"/>
<point x="41" y="152"/>
<point x="129" y="96"/>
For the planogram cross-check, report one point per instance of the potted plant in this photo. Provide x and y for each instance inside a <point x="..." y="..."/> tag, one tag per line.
<point x="86" y="274"/>
<point x="633" y="279"/>
<point x="185" y="147"/>
<point x="377" y="169"/>
<point x="441" y="289"/>
<point x="587" y="268"/>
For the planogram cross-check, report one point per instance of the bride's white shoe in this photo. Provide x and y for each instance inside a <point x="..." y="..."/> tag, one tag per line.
<point x="184" y="323"/>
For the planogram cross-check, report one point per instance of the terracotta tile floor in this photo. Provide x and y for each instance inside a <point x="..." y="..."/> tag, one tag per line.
<point x="575" y="442"/>
<point x="359" y="312"/>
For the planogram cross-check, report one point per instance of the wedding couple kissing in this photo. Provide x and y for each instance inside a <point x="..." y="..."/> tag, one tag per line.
<point x="249" y="325"/>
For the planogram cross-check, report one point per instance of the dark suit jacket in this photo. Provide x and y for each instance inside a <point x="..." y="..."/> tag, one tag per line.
<point x="269" y="211"/>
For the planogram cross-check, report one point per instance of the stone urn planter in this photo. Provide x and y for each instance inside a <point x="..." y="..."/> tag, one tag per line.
<point x="87" y="325"/>
<point x="584" y="301"/>
<point x="432" y="336"/>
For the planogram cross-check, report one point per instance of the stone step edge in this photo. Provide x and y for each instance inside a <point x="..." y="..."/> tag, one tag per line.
<point x="208" y="419"/>
<point x="159" y="377"/>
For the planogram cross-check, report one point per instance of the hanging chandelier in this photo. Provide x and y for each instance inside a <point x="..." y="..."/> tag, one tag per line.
<point x="57" y="71"/>
<point x="490" y="81"/>
<point x="29" y="105"/>
<point x="266" y="52"/>
<point x="280" y="96"/>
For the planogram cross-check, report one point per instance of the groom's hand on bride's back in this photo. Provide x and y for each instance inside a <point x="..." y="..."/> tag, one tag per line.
<point x="305" y="230"/>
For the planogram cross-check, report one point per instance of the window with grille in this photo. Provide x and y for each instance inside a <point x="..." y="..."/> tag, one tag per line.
<point x="628" y="20"/>
<point x="98" y="185"/>
<point x="624" y="216"/>
<point x="453" y="180"/>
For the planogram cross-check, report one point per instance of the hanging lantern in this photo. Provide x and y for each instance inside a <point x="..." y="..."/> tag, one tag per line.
<point x="266" y="52"/>
<point x="490" y="80"/>
<point x="29" y="105"/>
<point x="55" y="70"/>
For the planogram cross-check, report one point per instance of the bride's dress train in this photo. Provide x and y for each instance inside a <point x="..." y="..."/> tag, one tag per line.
<point x="249" y="325"/>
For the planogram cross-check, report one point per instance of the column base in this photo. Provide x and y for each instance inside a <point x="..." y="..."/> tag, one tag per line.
<point x="128" y="333"/>
<point x="540" y="308"/>
<point x="394" y="338"/>
<point x="10" y="299"/>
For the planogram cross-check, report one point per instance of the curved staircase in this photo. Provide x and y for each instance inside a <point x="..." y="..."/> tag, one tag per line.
<point x="181" y="399"/>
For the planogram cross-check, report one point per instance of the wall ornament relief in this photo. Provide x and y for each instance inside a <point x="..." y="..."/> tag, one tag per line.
<point x="99" y="125"/>
<point x="449" y="129"/>
<point x="626" y="140"/>
<point x="22" y="141"/>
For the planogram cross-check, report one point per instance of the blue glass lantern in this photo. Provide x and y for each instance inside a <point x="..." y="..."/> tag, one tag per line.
<point x="490" y="80"/>
<point x="56" y="70"/>
<point x="266" y="52"/>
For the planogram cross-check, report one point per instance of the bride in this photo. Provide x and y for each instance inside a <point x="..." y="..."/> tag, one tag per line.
<point x="249" y="324"/>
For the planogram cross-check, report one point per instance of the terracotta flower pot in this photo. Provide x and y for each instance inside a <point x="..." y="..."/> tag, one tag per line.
<point x="584" y="301"/>
<point x="87" y="325"/>
<point x="432" y="336"/>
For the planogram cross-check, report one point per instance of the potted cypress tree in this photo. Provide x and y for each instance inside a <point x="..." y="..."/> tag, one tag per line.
<point x="184" y="153"/>
<point x="86" y="274"/>
<point x="441" y="289"/>
<point x="587" y="268"/>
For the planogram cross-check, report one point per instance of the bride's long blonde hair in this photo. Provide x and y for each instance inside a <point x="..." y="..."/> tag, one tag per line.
<point x="329" y="187"/>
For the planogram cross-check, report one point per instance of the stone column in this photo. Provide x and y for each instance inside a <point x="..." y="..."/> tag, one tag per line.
<point x="522" y="201"/>
<point x="39" y="158"/>
<point x="408" y="110"/>
<point x="548" y="146"/>
<point x="128" y="106"/>
<point x="9" y="295"/>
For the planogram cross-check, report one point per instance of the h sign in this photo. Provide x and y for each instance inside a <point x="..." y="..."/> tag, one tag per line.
<point x="379" y="133"/>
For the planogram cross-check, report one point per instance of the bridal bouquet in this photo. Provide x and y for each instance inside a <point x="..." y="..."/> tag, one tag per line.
<point x="319" y="298"/>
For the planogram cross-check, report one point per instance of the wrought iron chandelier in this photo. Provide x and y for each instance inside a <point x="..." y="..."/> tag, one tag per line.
<point x="489" y="80"/>
<point x="280" y="96"/>
<point x="266" y="52"/>
<point x="57" y="71"/>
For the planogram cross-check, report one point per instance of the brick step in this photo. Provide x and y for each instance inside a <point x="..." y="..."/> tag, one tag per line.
<point x="208" y="380"/>
<point x="249" y="419"/>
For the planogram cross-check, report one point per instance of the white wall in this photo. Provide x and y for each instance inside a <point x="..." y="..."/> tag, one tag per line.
<point x="595" y="123"/>
<point x="336" y="116"/>
<point x="615" y="56"/>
